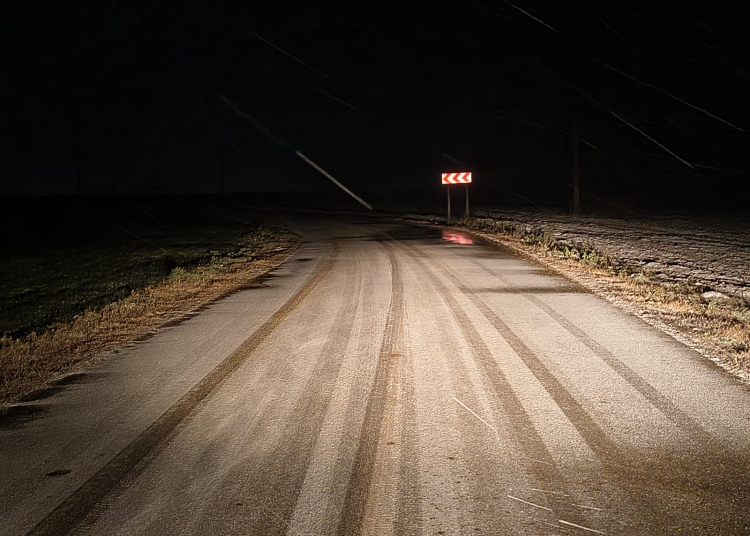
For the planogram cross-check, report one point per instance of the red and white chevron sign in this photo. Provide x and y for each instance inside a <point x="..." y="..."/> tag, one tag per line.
<point x="457" y="178"/>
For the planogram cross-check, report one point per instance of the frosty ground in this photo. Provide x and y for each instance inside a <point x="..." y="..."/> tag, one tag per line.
<point x="687" y="274"/>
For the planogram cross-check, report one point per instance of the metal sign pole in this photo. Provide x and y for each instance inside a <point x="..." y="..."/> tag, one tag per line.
<point x="448" y="179"/>
<point x="467" y="201"/>
<point x="448" y="189"/>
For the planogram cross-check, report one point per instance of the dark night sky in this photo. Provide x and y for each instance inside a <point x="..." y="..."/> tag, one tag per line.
<point x="119" y="97"/>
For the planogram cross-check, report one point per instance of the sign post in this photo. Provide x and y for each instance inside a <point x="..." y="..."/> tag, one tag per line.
<point x="463" y="177"/>
<point x="449" y="204"/>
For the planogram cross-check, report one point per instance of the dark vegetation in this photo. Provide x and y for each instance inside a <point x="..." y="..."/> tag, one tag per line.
<point x="61" y="257"/>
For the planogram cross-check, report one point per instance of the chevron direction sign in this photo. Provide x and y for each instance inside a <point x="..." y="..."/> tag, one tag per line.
<point x="459" y="177"/>
<point x="463" y="177"/>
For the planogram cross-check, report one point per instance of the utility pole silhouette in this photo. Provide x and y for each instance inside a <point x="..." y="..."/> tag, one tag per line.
<point x="576" y="171"/>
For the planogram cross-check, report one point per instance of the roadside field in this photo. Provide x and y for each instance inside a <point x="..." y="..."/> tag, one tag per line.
<point x="79" y="277"/>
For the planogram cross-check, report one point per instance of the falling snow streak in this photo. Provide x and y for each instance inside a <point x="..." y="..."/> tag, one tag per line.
<point x="290" y="55"/>
<point x="285" y="145"/>
<point x="703" y="25"/>
<point x="332" y="97"/>
<point x="333" y="180"/>
<point x="538" y="122"/>
<point x="269" y="43"/>
<point x="162" y="66"/>
<point x="467" y="408"/>
<point x="452" y="159"/>
<point x="722" y="170"/>
<point x="568" y="523"/>
<point x="34" y="103"/>
<point x="257" y="124"/>
<point x="631" y="125"/>
<point x="618" y="34"/>
<point x="529" y="503"/>
<point x="667" y="93"/>
<point x="486" y="9"/>
<point x="531" y="16"/>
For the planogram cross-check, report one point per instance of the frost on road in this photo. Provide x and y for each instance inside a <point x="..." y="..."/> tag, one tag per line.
<point x="389" y="380"/>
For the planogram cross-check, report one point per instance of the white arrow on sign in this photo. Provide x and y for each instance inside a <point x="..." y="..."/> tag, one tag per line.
<point x="457" y="178"/>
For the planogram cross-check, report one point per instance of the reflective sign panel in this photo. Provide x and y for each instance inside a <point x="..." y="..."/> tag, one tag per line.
<point x="463" y="177"/>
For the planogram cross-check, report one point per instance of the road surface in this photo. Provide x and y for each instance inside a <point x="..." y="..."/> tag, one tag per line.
<point x="388" y="380"/>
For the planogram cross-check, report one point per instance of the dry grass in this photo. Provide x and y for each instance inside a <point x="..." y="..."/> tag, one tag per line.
<point x="719" y="329"/>
<point x="30" y="363"/>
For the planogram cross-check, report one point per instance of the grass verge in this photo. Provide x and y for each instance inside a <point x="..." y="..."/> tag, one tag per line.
<point x="717" y="327"/>
<point x="89" y="283"/>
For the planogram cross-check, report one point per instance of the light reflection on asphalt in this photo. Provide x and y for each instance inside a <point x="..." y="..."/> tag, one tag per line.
<point x="457" y="238"/>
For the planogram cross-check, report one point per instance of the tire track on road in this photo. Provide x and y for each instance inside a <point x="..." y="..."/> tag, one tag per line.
<point x="539" y="463"/>
<point x="280" y="473"/>
<point x="409" y="514"/>
<point x="364" y="468"/>
<point x="670" y="410"/>
<point x="482" y="442"/>
<point x="605" y="449"/>
<point x="633" y="471"/>
<point x="69" y="513"/>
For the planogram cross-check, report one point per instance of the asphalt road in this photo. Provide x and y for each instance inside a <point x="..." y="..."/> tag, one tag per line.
<point x="388" y="380"/>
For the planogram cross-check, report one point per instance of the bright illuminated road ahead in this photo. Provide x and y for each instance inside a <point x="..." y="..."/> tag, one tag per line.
<point x="387" y="381"/>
